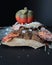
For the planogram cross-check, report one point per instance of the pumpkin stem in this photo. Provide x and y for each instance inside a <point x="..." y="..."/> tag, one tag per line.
<point x="24" y="11"/>
<point x="25" y="8"/>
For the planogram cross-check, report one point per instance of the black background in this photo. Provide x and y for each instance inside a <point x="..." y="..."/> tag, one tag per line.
<point x="42" y="10"/>
<point x="25" y="55"/>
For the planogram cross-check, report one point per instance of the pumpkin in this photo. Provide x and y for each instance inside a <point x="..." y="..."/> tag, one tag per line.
<point x="24" y="16"/>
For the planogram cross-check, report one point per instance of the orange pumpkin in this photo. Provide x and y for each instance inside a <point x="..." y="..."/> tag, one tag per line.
<point x="30" y="19"/>
<point x="30" y="16"/>
<point x="24" y="16"/>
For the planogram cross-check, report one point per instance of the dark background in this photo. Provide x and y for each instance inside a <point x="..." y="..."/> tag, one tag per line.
<point x="25" y="55"/>
<point x="42" y="10"/>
